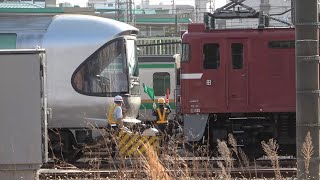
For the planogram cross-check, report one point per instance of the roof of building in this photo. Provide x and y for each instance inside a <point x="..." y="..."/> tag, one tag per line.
<point x="35" y="9"/>
<point x="31" y="10"/>
<point x="16" y="7"/>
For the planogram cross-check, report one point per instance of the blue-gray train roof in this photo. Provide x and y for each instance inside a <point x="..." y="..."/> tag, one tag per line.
<point x="158" y="58"/>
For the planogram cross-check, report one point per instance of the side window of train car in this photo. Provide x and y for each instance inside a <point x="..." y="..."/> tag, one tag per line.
<point x="185" y="54"/>
<point x="8" y="40"/>
<point x="237" y="55"/>
<point x="211" y="56"/>
<point x="161" y="82"/>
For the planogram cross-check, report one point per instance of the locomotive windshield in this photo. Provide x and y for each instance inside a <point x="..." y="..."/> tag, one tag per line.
<point x="133" y="67"/>
<point x="132" y="58"/>
<point x="105" y="72"/>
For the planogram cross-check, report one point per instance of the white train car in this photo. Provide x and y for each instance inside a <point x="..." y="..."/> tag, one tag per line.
<point x="159" y="73"/>
<point x="89" y="60"/>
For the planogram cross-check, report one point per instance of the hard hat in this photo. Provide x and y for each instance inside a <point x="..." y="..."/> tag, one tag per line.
<point x="161" y="100"/>
<point x="118" y="99"/>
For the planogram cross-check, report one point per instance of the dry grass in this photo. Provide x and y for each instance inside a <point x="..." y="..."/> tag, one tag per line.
<point x="271" y="150"/>
<point x="154" y="168"/>
<point x="166" y="163"/>
<point x="307" y="152"/>
<point x="226" y="155"/>
<point x="234" y="147"/>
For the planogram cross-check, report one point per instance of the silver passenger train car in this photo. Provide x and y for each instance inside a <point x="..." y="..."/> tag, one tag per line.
<point x="89" y="61"/>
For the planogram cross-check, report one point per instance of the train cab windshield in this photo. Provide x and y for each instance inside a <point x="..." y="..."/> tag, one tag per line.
<point x="133" y="67"/>
<point x="106" y="72"/>
<point x="132" y="58"/>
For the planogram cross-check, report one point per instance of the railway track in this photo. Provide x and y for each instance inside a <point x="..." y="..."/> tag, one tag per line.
<point x="103" y="162"/>
<point x="197" y="167"/>
<point x="140" y="173"/>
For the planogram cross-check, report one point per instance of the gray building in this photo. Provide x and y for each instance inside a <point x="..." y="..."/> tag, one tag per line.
<point x="102" y="4"/>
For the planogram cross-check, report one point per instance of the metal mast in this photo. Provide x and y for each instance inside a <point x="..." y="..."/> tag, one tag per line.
<point x="307" y="83"/>
<point x="124" y="11"/>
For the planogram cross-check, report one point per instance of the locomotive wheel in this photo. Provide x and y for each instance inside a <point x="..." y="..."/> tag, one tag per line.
<point x="62" y="146"/>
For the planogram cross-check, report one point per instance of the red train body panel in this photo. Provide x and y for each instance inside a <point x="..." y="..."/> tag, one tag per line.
<point x="239" y="81"/>
<point x="263" y="82"/>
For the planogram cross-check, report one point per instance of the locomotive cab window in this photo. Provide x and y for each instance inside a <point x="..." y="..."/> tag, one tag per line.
<point x="211" y="55"/>
<point x="161" y="82"/>
<point x="133" y="67"/>
<point x="237" y="55"/>
<point x="185" y="54"/>
<point x="105" y="72"/>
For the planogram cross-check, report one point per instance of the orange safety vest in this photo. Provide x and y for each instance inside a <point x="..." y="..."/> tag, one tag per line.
<point x="110" y="115"/>
<point x="162" y="117"/>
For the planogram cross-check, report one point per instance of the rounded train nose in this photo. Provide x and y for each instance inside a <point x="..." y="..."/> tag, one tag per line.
<point x="131" y="106"/>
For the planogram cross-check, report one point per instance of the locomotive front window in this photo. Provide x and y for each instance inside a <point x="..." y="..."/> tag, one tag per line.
<point x="211" y="55"/>
<point x="237" y="55"/>
<point x="104" y="73"/>
<point x="185" y="54"/>
<point x="133" y="67"/>
<point x="132" y="58"/>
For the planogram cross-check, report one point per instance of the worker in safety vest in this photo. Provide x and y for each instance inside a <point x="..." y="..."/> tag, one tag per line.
<point x="115" y="115"/>
<point x="161" y="114"/>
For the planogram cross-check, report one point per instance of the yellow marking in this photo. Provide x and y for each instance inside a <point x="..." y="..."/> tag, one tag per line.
<point x="121" y="133"/>
<point x="131" y="141"/>
<point x="123" y="140"/>
<point x="135" y="147"/>
<point x="143" y="148"/>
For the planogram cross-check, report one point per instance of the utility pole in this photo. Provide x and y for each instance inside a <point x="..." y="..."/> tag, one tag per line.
<point x="176" y="24"/>
<point x="293" y="2"/>
<point x="173" y="7"/>
<point x="130" y="13"/>
<point x="196" y="13"/>
<point x="307" y="83"/>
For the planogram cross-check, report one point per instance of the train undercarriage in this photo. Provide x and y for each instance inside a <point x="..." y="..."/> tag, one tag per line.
<point x="249" y="130"/>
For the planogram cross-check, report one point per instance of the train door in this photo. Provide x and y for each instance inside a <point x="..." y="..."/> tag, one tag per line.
<point x="237" y="68"/>
<point x="213" y="93"/>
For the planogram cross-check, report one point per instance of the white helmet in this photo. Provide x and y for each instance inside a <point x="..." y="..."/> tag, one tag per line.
<point x="118" y="99"/>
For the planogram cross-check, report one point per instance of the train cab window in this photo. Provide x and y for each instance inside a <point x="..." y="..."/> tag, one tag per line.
<point x="211" y="55"/>
<point x="132" y="58"/>
<point x="161" y="82"/>
<point x="237" y="55"/>
<point x="104" y="73"/>
<point x="185" y="52"/>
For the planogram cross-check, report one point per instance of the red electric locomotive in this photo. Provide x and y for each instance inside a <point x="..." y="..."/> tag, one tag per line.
<point x="239" y="81"/>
